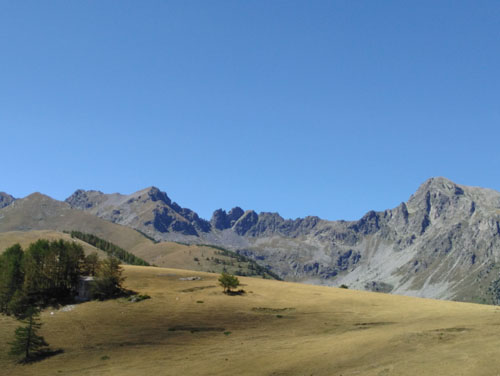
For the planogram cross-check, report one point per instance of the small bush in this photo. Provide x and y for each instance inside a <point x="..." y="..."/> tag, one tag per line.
<point x="228" y="282"/>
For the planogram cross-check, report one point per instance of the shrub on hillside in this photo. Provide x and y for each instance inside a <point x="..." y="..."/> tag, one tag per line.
<point x="228" y="282"/>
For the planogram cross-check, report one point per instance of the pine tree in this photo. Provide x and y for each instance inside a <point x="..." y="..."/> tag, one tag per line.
<point x="11" y="275"/>
<point x="27" y="342"/>
<point x="90" y="264"/>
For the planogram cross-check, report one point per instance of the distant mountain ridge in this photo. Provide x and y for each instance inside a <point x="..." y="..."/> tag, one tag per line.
<point x="444" y="242"/>
<point x="154" y="213"/>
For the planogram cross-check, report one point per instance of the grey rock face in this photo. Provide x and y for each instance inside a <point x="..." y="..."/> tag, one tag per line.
<point x="5" y="199"/>
<point x="222" y="220"/>
<point x="245" y="222"/>
<point x="234" y="214"/>
<point x="84" y="200"/>
<point x="219" y="220"/>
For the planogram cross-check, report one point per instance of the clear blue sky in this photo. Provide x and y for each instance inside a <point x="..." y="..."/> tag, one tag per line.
<point x="328" y="108"/>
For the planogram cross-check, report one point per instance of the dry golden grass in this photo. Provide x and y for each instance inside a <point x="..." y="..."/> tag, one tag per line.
<point x="191" y="257"/>
<point x="174" y="255"/>
<point x="276" y="328"/>
<point x="25" y="238"/>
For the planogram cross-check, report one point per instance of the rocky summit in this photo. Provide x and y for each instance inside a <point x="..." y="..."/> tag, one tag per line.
<point x="149" y="211"/>
<point x="444" y="242"/>
<point x="5" y="199"/>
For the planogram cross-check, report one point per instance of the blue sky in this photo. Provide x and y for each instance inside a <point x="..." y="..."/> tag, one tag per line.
<point x="328" y="108"/>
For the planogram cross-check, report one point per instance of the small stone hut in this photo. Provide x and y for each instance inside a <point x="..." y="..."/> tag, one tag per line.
<point x="84" y="292"/>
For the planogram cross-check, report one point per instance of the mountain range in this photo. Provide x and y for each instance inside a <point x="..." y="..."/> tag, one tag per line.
<point x="444" y="242"/>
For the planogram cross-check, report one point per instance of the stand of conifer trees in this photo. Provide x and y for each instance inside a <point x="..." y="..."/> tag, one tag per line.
<point x="110" y="248"/>
<point x="46" y="273"/>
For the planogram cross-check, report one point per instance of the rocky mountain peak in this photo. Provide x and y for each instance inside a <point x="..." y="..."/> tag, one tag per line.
<point x="222" y="220"/>
<point x="234" y="214"/>
<point x="438" y="196"/>
<point x="5" y="199"/>
<point x="442" y="185"/>
<point x="82" y="199"/>
<point x="156" y="195"/>
<point x="219" y="220"/>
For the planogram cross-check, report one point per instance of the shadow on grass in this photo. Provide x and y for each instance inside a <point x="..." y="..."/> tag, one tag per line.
<point x="123" y="293"/>
<point x="239" y="292"/>
<point x="41" y="355"/>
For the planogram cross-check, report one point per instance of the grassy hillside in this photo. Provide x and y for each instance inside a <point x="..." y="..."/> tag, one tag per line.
<point x="277" y="328"/>
<point x="199" y="258"/>
<point x="40" y="212"/>
<point x="25" y="238"/>
<point x="167" y="254"/>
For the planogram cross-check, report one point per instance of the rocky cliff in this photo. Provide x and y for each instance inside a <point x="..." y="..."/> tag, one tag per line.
<point x="5" y="199"/>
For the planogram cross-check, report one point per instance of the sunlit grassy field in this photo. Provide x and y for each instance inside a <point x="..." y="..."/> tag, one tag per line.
<point x="275" y="328"/>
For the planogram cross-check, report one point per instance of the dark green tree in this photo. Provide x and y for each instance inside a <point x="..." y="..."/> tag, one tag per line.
<point x="111" y="249"/>
<point x="228" y="282"/>
<point x="19" y="305"/>
<point x="11" y="275"/>
<point x="27" y="342"/>
<point x="90" y="264"/>
<point x="108" y="279"/>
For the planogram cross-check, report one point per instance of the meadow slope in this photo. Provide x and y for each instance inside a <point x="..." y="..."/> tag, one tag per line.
<point x="276" y="328"/>
<point x="25" y="238"/>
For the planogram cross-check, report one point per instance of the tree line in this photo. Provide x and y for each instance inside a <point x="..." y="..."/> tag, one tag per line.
<point x="110" y="248"/>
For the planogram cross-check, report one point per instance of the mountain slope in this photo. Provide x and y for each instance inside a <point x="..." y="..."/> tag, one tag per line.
<point x="40" y="212"/>
<point x="442" y="243"/>
<point x="25" y="238"/>
<point x="38" y="216"/>
<point x="148" y="210"/>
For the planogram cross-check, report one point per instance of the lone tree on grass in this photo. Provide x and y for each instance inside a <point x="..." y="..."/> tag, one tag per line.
<point x="27" y="342"/>
<point x="228" y="281"/>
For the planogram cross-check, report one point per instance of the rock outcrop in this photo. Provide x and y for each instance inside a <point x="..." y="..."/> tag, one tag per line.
<point x="5" y="199"/>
